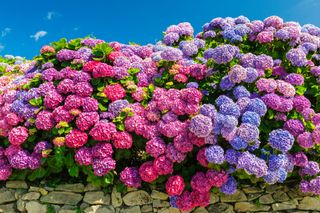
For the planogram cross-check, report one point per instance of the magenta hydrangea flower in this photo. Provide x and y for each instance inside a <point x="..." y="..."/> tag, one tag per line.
<point x="163" y="165"/>
<point x="102" y="166"/>
<point x="5" y="172"/>
<point x="83" y="156"/>
<point x="114" y="92"/>
<point x="103" y="130"/>
<point x="217" y="178"/>
<point x="311" y="168"/>
<point x="173" y="154"/>
<point x="73" y="102"/>
<point x="44" y="120"/>
<point x="147" y="172"/>
<point x="18" y="135"/>
<point x="175" y="185"/>
<point x="61" y="114"/>
<point x="76" y="138"/>
<point x="294" y="126"/>
<point x="130" y="177"/>
<point x="305" y="140"/>
<point x="83" y="89"/>
<point x="89" y="104"/>
<point x="122" y="140"/>
<point x="155" y="147"/>
<point x="86" y="120"/>
<point x="102" y="150"/>
<point x="200" y="182"/>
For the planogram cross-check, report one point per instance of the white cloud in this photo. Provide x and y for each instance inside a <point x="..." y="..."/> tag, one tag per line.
<point x="1" y="47"/>
<point x="5" y="31"/>
<point x="51" y="14"/>
<point x="39" y="35"/>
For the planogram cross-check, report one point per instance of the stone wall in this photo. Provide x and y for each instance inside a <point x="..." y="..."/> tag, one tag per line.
<point x="18" y="196"/>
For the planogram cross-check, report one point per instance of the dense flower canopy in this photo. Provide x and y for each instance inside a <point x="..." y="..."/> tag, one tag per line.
<point x="239" y="100"/>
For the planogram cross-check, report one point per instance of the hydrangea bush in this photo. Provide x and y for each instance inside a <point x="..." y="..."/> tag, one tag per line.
<point x="236" y="102"/>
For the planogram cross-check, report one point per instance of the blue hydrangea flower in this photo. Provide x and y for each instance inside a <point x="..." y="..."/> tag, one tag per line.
<point x="238" y="143"/>
<point x="277" y="161"/>
<point x="230" y="109"/>
<point x="229" y="187"/>
<point x="201" y="125"/>
<point x="223" y="99"/>
<point x="251" y="118"/>
<point x="282" y="175"/>
<point x="226" y="84"/>
<point x="272" y="177"/>
<point x="258" y="106"/>
<point x="240" y="92"/>
<point x="232" y="156"/>
<point x="281" y="140"/>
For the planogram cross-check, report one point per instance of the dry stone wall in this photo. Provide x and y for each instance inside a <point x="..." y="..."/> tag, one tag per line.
<point x="18" y="196"/>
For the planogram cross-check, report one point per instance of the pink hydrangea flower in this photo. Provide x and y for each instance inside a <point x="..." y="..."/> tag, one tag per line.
<point x="114" y="92"/>
<point x="122" y="140"/>
<point x="44" y="120"/>
<point x="18" y="135"/>
<point x="147" y="172"/>
<point x="103" y="130"/>
<point x="86" y="120"/>
<point x="175" y="185"/>
<point x="163" y="165"/>
<point x="76" y="138"/>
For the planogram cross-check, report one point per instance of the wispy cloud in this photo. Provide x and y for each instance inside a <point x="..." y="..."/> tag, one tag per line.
<point x="5" y="31"/>
<point x="51" y="14"/>
<point x="76" y="28"/>
<point x="39" y="35"/>
<point x="1" y="47"/>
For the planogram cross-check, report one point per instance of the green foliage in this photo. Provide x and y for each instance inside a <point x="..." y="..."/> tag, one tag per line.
<point x="101" y="51"/>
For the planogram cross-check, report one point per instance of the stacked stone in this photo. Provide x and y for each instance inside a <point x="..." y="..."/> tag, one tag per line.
<point x="17" y="196"/>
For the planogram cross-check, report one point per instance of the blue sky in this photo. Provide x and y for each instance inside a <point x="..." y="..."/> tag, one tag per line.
<point x="27" y="25"/>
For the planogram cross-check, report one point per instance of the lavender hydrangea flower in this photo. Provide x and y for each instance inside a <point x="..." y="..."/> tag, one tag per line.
<point x="297" y="57"/>
<point x="201" y="125"/>
<point x="171" y="54"/>
<point x="252" y="164"/>
<point x="215" y="154"/>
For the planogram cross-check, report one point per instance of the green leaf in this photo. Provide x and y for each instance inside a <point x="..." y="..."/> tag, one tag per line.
<point x="301" y="90"/>
<point x="74" y="171"/>
<point x="58" y="45"/>
<point x="36" y="101"/>
<point x="102" y="108"/>
<point x="101" y="51"/>
<point x="133" y="71"/>
<point x="60" y="131"/>
<point x="108" y="178"/>
<point x="68" y="160"/>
